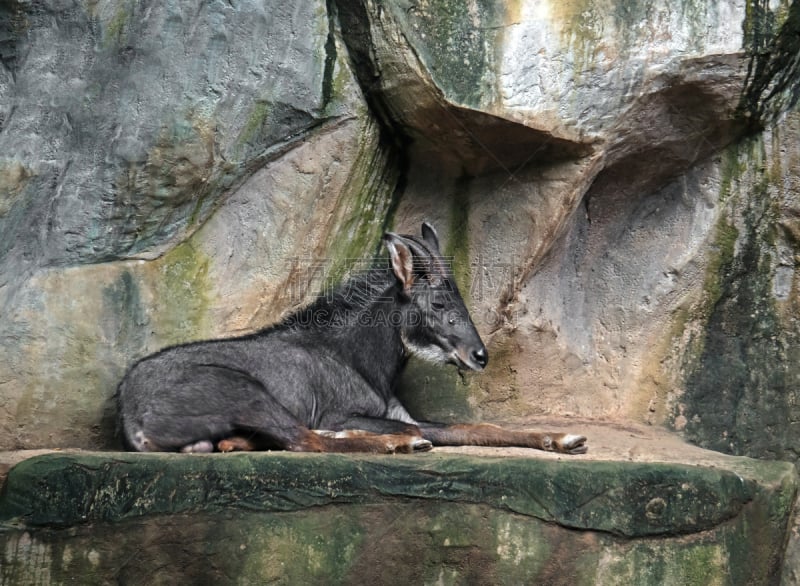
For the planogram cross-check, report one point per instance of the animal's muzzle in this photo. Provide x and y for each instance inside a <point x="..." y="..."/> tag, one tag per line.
<point x="471" y="358"/>
<point x="480" y="357"/>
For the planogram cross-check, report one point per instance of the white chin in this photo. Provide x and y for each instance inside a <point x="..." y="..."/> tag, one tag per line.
<point x="464" y="365"/>
<point x="464" y="362"/>
<point x="429" y="353"/>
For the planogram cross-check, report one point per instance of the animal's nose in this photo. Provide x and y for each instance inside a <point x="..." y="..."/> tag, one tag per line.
<point x="480" y="356"/>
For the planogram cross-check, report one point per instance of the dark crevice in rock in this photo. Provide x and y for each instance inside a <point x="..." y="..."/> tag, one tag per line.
<point x="12" y="22"/>
<point x="330" y="56"/>
<point x="773" y="76"/>
<point x="470" y="143"/>
<point x="355" y="26"/>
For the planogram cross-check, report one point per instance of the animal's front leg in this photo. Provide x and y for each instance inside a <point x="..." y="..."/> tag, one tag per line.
<point x="359" y="440"/>
<point x="350" y="440"/>
<point x="566" y="443"/>
<point x="491" y="435"/>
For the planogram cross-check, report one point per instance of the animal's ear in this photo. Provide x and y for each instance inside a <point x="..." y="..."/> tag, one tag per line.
<point x="401" y="258"/>
<point x="430" y="236"/>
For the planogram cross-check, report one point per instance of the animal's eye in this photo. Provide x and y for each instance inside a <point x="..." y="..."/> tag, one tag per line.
<point x="437" y="306"/>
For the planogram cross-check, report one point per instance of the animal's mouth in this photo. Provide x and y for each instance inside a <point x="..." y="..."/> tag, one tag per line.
<point x="461" y="359"/>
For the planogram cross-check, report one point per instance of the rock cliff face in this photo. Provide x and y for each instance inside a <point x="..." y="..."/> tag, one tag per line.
<point x="616" y="182"/>
<point x="165" y="170"/>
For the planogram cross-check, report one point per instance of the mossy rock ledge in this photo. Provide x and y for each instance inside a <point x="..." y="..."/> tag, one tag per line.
<point x="451" y="517"/>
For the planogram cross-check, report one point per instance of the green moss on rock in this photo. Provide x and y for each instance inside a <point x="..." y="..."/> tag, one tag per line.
<point x="457" y="248"/>
<point x="433" y="393"/>
<point x="772" y="42"/>
<point x="455" y="39"/>
<point x="114" y="34"/>
<point x="305" y="518"/>
<point x="182" y="290"/>
<point x="367" y="200"/>
<point x="741" y="371"/>
<point x="74" y="489"/>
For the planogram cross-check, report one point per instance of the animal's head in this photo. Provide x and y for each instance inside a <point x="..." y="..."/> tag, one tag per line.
<point x="436" y="324"/>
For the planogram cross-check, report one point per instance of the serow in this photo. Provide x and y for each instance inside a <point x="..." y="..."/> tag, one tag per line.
<point x="324" y="378"/>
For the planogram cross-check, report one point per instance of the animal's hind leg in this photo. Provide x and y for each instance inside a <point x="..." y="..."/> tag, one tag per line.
<point x="358" y="434"/>
<point x="205" y="403"/>
<point x="236" y="444"/>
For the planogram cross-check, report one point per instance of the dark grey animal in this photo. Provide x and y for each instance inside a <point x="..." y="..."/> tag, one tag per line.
<point x="324" y="378"/>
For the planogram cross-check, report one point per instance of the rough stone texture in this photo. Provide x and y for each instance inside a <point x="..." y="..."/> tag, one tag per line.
<point x="448" y="518"/>
<point x="136" y="118"/>
<point x="600" y="309"/>
<point x="616" y="182"/>
<point x="744" y="327"/>
<point x="573" y="157"/>
<point x="585" y="263"/>
<point x="210" y="154"/>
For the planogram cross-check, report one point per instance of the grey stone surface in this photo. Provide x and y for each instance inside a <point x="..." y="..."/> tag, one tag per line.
<point x="616" y="182"/>
<point x="446" y="517"/>
<point x="202" y="159"/>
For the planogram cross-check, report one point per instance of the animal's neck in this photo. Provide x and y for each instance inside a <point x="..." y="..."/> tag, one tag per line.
<point x="361" y="320"/>
<point x="374" y="346"/>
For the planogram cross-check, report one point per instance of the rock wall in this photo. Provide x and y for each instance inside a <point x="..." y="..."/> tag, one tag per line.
<point x="616" y="183"/>
<point x="592" y="150"/>
<point x="164" y="171"/>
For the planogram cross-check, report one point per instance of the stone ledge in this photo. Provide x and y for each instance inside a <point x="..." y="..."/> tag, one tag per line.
<point x="454" y="515"/>
<point x="61" y="490"/>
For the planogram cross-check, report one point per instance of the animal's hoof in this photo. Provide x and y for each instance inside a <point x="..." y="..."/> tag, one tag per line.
<point x="421" y="445"/>
<point x="409" y="445"/>
<point x="201" y="447"/>
<point x="571" y="444"/>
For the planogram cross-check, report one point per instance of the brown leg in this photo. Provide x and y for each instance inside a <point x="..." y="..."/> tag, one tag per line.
<point x="358" y="440"/>
<point x="354" y="440"/>
<point x="485" y="434"/>
<point x="236" y="444"/>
